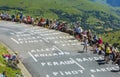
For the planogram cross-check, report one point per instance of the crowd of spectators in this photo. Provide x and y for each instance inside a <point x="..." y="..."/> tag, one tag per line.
<point x="11" y="59"/>
<point x="109" y="52"/>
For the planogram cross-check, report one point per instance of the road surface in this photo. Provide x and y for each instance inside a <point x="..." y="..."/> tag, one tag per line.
<point x="50" y="53"/>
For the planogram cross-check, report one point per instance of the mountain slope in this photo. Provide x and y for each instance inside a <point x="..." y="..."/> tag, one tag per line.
<point x="112" y="38"/>
<point x="91" y="15"/>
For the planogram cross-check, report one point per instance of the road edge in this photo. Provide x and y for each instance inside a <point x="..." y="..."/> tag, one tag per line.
<point x="23" y="69"/>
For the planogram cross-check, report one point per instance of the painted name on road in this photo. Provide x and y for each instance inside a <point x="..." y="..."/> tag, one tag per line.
<point x="74" y="72"/>
<point x="69" y="61"/>
<point x="25" y="41"/>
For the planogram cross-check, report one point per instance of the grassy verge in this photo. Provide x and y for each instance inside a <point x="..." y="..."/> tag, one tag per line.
<point x="3" y="67"/>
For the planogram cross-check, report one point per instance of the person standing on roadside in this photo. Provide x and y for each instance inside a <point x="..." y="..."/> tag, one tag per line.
<point x="17" y="17"/>
<point x="85" y="43"/>
<point x="47" y="23"/>
<point x="13" y="18"/>
<point x="21" y="17"/>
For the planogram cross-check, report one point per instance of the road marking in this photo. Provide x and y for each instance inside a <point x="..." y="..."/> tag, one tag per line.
<point x="92" y="75"/>
<point x="58" y="49"/>
<point x="45" y="39"/>
<point x="32" y="57"/>
<point x="77" y="63"/>
<point x="15" y="40"/>
<point x="47" y="76"/>
<point x="12" y="33"/>
<point x="64" y="45"/>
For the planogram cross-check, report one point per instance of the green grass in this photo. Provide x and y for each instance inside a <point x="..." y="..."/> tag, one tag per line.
<point x="68" y="6"/>
<point x="10" y="72"/>
<point x="87" y="12"/>
<point x="112" y="38"/>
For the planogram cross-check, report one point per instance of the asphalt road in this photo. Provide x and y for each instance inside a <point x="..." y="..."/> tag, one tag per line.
<point x="50" y="53"/>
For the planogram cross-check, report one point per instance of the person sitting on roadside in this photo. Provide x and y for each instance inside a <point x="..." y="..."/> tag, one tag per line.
<point x="0" y="15"/>
<point x="3" y="74"/>
<point x="117" y="60"/>
<point x="42" y="22"/>
<point x="3" y="16"/>
<point x="53" y="25"/>
<point x="25" y="19"/>
<point x="59" y="27"/>
<point x="36" y="21"/>
<point x="28" y="20"/>
<point x="78" y="32"/>
<point x="13" y="57"/>
<point x="6" y="57"/>
<point x="99" y="42"/>
<point x="94" y="41"/>
<point x="99" y="50"/>
<point x="65" y="27"/>
<point x="8" y="17"/>
<point x="32" y="20"/>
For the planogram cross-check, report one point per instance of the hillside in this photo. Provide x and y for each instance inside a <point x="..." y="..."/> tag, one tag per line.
<point x="112" y="38"/>
<point x="91" y="15"/>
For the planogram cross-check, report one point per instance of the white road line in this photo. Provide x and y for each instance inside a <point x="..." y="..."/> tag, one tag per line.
<point x="92" y="75"/>
<point x="32" y="56"/>
<point x="24" y="75"/>
<point x="58" y="49"/>
<point x="15" y="40"/>
<point x="12" y="33"/>
<point x="47" y="76"/>
<point x="77" y="63"/>
<point x="45" y="39"/>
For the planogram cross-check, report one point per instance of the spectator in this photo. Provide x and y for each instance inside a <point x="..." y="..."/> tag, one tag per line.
<point x="25" y="19"/>
<point x="78" y="32"/>
<point x="85" y="43"/>
<point x="107" y="53"/>
<point x="36" y="21"/>
<point x="21" y="17"/>
<point x="42" y="22"/>
<point x="3" y="74"/>
<point x="17" y="17"/>
<point x="100" y="41"/>
<point x="13" y="18"/>
<point x="6" y="57"/>
<point x="32" y="20"/>
<point x="47" y="23"/>
<point x="95" y="39"/>
<point x="89" y="35"/>
<point x="117" y="60"/>
<point x="29" y="20"/>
